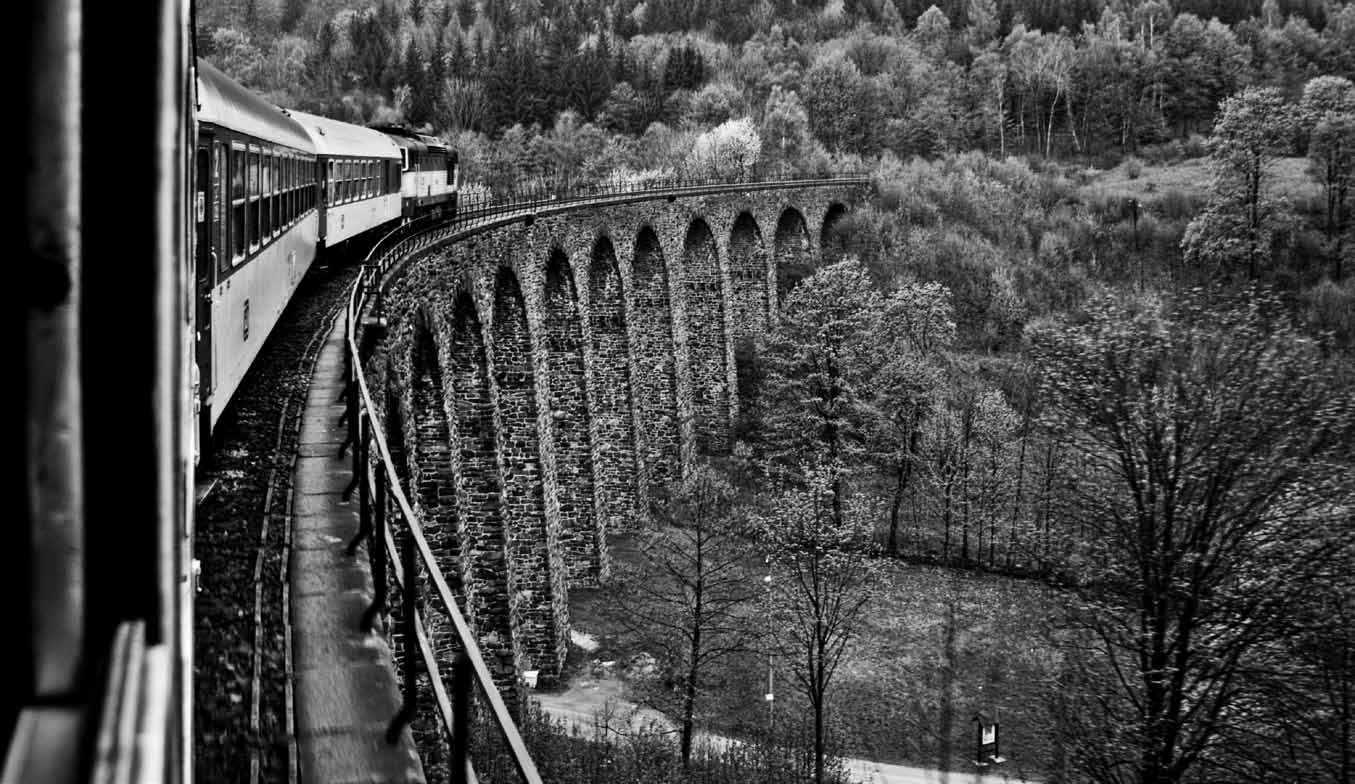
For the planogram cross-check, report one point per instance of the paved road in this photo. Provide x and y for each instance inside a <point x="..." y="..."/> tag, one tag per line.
<point x="600" y="704"/>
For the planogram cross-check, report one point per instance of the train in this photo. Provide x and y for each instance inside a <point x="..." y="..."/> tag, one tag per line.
<point x="169" y="215"/>
<point x="277" y="190"/>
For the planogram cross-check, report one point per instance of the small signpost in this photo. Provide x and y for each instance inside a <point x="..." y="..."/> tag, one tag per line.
<point x="986" y="749"/>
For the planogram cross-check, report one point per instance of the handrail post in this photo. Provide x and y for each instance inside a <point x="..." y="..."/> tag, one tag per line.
<point x="350" y="413"/>
<point x="376" y="552"/>
<point x="461" y="686"/>
<point x="362" y="453"/>
<point x="356" y="435"/>
<point x="409" y="593"/>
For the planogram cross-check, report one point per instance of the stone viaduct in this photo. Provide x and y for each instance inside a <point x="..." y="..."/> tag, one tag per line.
<point x="541" y="378"/>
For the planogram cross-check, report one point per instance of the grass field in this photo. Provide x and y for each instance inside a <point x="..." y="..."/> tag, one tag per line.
<point x="938" y="645"/>
<point x="1193" y="178"/>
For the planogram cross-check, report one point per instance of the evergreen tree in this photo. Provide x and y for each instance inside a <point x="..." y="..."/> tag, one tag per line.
<point x="292" y="13"/>
<point x="983" y="21"/>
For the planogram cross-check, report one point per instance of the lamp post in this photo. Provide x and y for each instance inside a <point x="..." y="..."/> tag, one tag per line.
<point x="770" y="696"/>
<point x="771" y="692"/>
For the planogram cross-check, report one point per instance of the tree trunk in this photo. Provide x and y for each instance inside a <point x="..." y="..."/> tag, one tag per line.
<point x="1049" y="132"/>
<point x="818" y="741"/>
<point x="1002" y="118"/>
<point x="948" y="518"/>
<point x="900" y="483"/>
<point x="1072" y="127"/>
<point x="1020" y="482"/>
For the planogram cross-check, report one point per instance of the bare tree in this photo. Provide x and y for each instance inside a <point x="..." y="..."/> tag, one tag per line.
<point x="689" y="594"/>
<point x="823" y="580"/>
<point x="1213" y="448"/>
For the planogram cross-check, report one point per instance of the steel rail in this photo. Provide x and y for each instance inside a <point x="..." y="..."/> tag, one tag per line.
<point x="378" y="270"/>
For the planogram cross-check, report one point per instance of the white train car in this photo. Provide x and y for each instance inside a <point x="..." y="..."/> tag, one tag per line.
<point x="257" y="226"/>
<point x="359" y="177"/>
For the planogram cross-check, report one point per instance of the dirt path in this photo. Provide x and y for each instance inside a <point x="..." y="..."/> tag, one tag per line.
<point x="600" y="704"/>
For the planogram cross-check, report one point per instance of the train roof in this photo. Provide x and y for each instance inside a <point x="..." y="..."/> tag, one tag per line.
<point x="413" y="140"/>
<point x="340" y="139"/>
<point x="224" y="102"/>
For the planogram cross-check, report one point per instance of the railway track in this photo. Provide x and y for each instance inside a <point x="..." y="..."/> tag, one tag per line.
<point x="242" y="699"/>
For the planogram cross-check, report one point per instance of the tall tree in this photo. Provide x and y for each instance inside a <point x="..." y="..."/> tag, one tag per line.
<point x="823" y="580"/>
<point x="688" y="594"/>
<point x="1328" y="116"/>
<point x="915" y="334"/>
<point x="819" y="365"/>
<point x="1254" y="128"/>
<point x="1213" y="447"/>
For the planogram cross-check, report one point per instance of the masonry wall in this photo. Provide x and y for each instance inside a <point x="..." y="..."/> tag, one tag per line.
<point x="586" y="357"/>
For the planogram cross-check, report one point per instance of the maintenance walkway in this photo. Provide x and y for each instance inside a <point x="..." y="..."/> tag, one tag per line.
<point x="344" y="686"/>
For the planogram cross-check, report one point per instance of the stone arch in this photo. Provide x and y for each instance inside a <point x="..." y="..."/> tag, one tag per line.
<point x="706" y="347"/>
<point x="793" y="257"/>
<point x="655" y="361"/>
<point x="748" y="269"/>
<point x="609" y="385"/>
<point x="431" y="478"/>
<point x="535" y="591"/>
<point x="478" y="492"/>
<point x="832" y="242"/>
<point x="582" y="548"/>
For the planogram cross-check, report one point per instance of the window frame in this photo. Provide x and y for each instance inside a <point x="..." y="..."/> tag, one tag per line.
<point x="252" y="172"/>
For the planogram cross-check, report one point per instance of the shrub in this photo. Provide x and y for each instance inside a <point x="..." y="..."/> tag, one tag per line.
<point x="1330" y="307"/>
<point x="1175" y="204"/>
<point x="1195" y="147"/>
<point x="1133" y="167"/>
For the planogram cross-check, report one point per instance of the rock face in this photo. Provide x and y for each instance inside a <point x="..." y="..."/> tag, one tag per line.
<point x="543" y="378"/>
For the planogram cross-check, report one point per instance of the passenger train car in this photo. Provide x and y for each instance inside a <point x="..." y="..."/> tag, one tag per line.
<point x="169" y="216"/>
<point x="276" y="190"/>
<point x="257" y="229"/>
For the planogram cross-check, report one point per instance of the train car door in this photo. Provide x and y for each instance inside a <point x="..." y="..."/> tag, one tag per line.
<point x="207" y="222"/>
<point x="322" y="168"/>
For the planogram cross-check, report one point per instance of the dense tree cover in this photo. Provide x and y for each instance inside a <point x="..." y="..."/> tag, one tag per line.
<point x="1214" y="446"/>
<point x="1091" y="77"/>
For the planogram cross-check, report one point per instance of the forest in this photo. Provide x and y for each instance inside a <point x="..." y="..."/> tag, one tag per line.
<point x="1090" y="346"/>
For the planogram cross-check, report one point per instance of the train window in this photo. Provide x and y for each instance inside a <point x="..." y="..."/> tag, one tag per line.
<point x="286" y="189"/>
<point x="265" y="195"/>
<point x="271" y="197"/>
<point x="252" y="173"/>
<point x="289" y="190"/>
<point x="236" y="189"/>
<point x="329" y="182"/>
<point x="289" y="201"/>
<point x="368" y="179"/>
<point x="220" y="206"/>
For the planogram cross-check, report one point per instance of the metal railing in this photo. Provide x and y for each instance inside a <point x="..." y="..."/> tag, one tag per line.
<point x="376" y="479"/>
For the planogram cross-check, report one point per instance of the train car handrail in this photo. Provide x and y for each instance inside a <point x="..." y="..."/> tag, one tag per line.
<point x="363" y="426"/>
